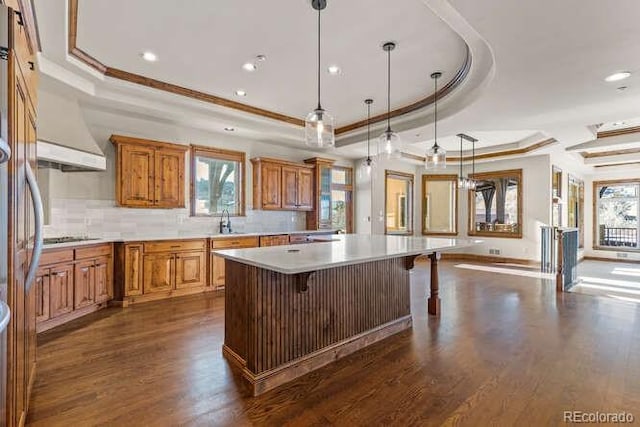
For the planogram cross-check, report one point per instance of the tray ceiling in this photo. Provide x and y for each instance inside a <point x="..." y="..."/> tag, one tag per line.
<point x="203" y="46"/>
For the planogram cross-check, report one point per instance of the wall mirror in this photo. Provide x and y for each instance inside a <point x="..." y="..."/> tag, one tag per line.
<point x="439" y="205"/>
<point x="398" y="203"/>
<point x="495" y="207"/>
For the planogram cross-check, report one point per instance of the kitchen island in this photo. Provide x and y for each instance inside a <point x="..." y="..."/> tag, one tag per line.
<point x="291" y="309"/>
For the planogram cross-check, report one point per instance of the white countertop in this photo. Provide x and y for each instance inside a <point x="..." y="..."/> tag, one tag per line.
<point x="205" y="235"/>
<point x="346" y="249"/>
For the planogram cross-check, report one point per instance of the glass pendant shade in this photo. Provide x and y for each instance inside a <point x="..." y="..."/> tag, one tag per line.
<point x="366" y="167"/>
<point x="319" y="129"/>
<point x="390" y="145"/>
<point x="436" y="158"/>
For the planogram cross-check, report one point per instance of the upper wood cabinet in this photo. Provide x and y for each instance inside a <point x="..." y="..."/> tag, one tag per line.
<point x="319" y="216"/>
<point x="149" y="174"/>
<point x="282" y="185"/>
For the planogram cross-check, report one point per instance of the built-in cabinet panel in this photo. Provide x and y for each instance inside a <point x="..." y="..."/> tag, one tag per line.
<point x="133" y="270"/>
<point x="190" y="270"/>
<point x="281" y="185"/>
<point x="158" y="273"/>
<point x="149" y="174"/>
<point x="72" y="282"/>
<point x="217" y="270"/>
<point x="319" y="217"/>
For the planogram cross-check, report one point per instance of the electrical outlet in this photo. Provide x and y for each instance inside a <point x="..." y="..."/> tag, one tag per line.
<point x="494" y="251"/>
<point x="621" y="254"/>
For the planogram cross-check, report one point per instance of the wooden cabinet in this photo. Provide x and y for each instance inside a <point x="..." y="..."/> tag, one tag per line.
<point x="216" y="263"/>
<point x="319" y="217"/>
<point x="61" y="290"/>
<point x="84" y="284"/>
<point x="271" y="186"/>
<point x="149" y="174"/>
<point x="102" y="277"/>
<point x="190" y="270"/>
<point x="159" y="269"/>
<point x="158" y="272"/>
<point x="281" y="185"/>
<point x="278" y="240"/>
<point x="72" y="282"/>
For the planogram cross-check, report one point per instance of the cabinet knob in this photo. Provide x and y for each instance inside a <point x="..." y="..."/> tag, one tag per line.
<point x="31" y="65"/>
<point x="20" y="21"/>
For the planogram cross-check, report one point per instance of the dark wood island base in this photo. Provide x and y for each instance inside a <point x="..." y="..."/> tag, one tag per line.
<point x="279" y="327"/>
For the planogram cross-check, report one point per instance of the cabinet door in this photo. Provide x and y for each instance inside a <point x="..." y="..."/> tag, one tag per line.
<point x="60" y="290"/>
<point x="133" y="270"/>
<point x="217" y="272"/>
<point x="271" y="186"/>
<point x="158" y="272"/>
<point x="42" y="295"/>
<point x="305" y="189"/>
<point x="169" y="174"/>
<point x="289" y="187"/>
<point x="104" y="283"/>
<point x="84" y="284"/>
<point x="190" y="270"/>
<point x="135" y="186"/>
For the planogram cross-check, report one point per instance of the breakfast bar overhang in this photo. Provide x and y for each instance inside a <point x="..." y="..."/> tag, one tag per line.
<point x="291" y="309"/>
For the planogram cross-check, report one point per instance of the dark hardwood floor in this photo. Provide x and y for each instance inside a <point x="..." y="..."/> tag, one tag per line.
<point x="507" y="350"/>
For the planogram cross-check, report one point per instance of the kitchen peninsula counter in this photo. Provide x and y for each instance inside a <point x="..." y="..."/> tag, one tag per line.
<point x="292" y="309"/>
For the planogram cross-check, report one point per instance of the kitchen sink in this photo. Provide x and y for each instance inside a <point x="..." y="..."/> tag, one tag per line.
<point x="66" y="239"/>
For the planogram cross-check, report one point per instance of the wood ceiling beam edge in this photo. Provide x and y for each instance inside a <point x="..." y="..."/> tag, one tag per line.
<point x="622" y="152"/>
<point x="505" y="153"/>
<point x="108" y="71"/>
<point x="618" y="132"/>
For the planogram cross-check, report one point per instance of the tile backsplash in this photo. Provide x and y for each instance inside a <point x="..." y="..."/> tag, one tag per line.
<point x="103" y="219"/>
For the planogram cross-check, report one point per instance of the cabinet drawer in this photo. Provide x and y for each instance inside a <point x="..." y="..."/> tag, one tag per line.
<point x="234" y="242"/>
<point x="176" y="246"/>
<point x="53" y="256"/>
<point x="274" y="240"/>
<point x="299" y="238"/>
<point x="93" y="251"/>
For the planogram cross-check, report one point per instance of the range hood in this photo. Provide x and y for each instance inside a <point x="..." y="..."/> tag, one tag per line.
<point x="64" y="142"/>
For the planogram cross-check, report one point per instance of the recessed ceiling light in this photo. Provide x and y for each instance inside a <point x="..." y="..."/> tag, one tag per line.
<point x="149" y="56"/>
<point x="241" y="92"/>
<point x="621" y="75"/>
<point x="618" y="123"/>
<point x="249" y="66"/>
<point x="230" y="129"/>
<point x="261" y="58"/>
<point x="334" y="70"/>
<point x="621" y="88"/>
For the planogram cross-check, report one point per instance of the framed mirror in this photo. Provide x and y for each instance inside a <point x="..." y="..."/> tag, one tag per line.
<point x="439" y="205"/>
<point x="398" y="203"/>
<point x="495" y="207"/>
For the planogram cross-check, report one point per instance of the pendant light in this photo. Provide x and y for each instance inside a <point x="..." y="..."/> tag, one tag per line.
<point x="369" y="163"/>
<point x="389" y="142"/>
<point x="436" y="156"/>
<point x="468" y="182"/>
<point x="463" y="182"/>
<point x="318" y="126"/>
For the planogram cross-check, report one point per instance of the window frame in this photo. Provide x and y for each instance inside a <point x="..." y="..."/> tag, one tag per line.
<point x="453" y="178"/>
<point x="348" y="188"/>
<point x="595" y="205"/>
<point x="471" y="207"/>
<point x="411" y="179"/>
<point x="217" y="154"/>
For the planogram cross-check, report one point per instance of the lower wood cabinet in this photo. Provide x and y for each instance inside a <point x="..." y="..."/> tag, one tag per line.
<point x="277" y="240"/>
<point x="72" y="282"/>
<point x="153" y="270"/>
<point x="216" y="263"/>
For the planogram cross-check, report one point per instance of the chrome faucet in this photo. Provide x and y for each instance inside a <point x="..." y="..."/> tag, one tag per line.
<point x="226" y="226"/>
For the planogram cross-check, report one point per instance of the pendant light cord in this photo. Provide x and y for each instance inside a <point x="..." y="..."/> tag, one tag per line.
<point x="435" y="124"/>
<point x="319" y="105"/>
<point x="460" y="156"/>
<point x="473" y="158"/>
<point x="368" y="130"/>
<point x="389" y="90"/>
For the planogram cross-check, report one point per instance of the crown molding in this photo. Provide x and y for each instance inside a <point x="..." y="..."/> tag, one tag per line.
<point x="618" y="132"/>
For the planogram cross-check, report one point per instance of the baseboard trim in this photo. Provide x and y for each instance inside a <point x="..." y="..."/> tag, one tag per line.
<point x="597" y="258"/>
<point x="490" y="259"/>
<point x="265" y="381"/>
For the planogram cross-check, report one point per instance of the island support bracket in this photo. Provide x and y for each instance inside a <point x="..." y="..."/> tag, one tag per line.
<point x="302" y="281"/>
<point x="433" y="303"/>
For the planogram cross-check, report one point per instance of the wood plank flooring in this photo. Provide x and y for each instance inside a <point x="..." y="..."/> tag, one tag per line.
<point x="507" y="350"/>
